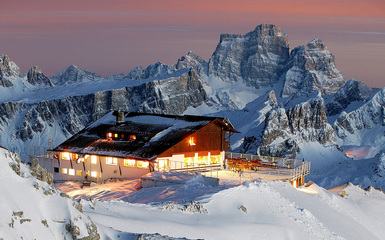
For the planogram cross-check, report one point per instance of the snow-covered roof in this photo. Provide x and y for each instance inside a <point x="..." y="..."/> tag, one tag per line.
<point x="155" y="133"/>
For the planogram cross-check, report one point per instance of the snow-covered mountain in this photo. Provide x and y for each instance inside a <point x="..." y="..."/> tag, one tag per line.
<point x="283" y="103"/>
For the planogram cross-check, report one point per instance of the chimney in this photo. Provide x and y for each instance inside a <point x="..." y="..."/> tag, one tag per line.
<point x="119" y="117"/>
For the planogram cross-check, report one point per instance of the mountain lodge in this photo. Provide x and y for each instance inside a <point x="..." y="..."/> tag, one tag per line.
<point x="129" y="145"/>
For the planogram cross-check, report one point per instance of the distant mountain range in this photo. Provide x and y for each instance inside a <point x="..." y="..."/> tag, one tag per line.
<point x="284" y="103"/>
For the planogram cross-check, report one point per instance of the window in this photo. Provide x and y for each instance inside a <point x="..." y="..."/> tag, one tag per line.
<point x="163" y="163"/>
<point x="71" y="172"/>
<point x="142" y="164"/>
<point x="109" y="135"/>
<point x="116" y="135"/>
<point x="65" y="156"/>
<point x="191" y="141"/>
<point x="64" y="170"/>
<point x="79" y="172"/>
<point x="94" y="174"/>
<point x="94" y="159"/>
<point x="129" y="163"/>
<point x="132" y="137"/>
<point x="56" y="169"/>
<point x="111" y="161"/>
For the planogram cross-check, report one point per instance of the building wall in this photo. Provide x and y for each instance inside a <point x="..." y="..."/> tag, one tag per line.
<point x="208" y="138"/>
<point x="95" y="168"/>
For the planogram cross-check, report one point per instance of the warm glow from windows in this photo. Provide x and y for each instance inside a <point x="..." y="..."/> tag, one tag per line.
<point x="116" y="135"/>
<point x="143" y="164"/>
<point x="65" y="156"/>
<point x="215" y="159"/>
<point x="163" y="163"/>
<point x="94" y="159"/>
<point x="79" y="172"/>
<point x="64" y="170"/>
<point x="71" y="172"/>
<point x="202" y="160"/>
<point x="129" y="163"/>
<point x="111" y="161"/>
<point x="191" y="141"/>
<point x="189" y="161"/>
<point x="132" y="137"/>
<point x="109" y="135"/>
<point x="94" y="174"/>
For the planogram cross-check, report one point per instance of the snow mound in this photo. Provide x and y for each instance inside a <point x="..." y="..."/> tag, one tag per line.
<point x="33" y="209"/>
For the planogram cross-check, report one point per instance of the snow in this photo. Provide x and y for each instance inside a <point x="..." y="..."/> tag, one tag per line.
<point x="26" y="202"/>
<point x="233" y="210"/>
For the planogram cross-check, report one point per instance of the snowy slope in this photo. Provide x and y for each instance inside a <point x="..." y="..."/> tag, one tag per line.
<point x="254" y="210"/>
<point x="32" y="209"/>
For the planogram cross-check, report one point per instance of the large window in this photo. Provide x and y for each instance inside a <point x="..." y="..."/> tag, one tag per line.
<point x="94" y="174"/>
<point x="65" y="156"/>
<point x="71" y="172"/>
<point x="64" y="170"/>
<point x="143" y="164"/>
<point x="79" y="172"/>
<point x="129" y="163"/>
<point x="111" y="161"/>
<point x="94" y="159"/>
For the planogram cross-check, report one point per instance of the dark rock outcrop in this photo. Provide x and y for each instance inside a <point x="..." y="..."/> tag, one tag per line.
<point x="36" y="76"/>
<point x="7" y="69"/>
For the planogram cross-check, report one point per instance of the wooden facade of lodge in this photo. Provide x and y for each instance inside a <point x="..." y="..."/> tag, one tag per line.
<point x="129" y="145"/>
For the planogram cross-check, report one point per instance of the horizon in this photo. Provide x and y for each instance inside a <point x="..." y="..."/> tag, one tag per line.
<point x="115" y="37"/>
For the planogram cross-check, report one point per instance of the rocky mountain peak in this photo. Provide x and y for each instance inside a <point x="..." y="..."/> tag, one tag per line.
<point x="305" y="122"/>
<point x="190" y="60"/>
<point x="7" y="69"/>
<point x="312" y="67"/>
<point x="74" y="74"/>
<point x="352" y="91"/>
<point x="257" y="58"/>
<point x="158" y="69"/>
<point x="36" y="76"/>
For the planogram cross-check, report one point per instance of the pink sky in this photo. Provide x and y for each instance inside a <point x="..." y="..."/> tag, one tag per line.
<point x="111" y="37"/>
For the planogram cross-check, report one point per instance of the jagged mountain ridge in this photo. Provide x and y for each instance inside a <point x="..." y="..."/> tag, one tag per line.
<point x="232" y="83"/>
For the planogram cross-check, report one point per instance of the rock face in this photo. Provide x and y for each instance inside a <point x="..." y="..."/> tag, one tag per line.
<point x="73" y="74"/>
<point x="312" y="67"/>
<point x="364" y="126"/>
<point x="352" y="91"/>
<point x="7" y="69"/>
<point x="284" y="130"/>
<point x="154" y="70"/>
<point x="257" y="58"/>
<point x="36" y="76"/>
<point x="190" y="60"/>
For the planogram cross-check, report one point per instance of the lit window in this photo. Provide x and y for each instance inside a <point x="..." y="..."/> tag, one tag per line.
<point x="109" y="135"/>
<point x="65" y="156"/>
<point x="94" y="159"/>
<point x="163" y="163"/>
<point x="116" y="135"/>
<point x="111" y="161"/>
<point x="129" y="163"/>
<point x="79" y="172"/>
<point x="191" y="141"/>
<point x="132" y="137"/>
<point x="143" y="164"/>
<point x="71" y="172"/>
<point x="94" y="174"/>
<point x="64" y="170"/>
